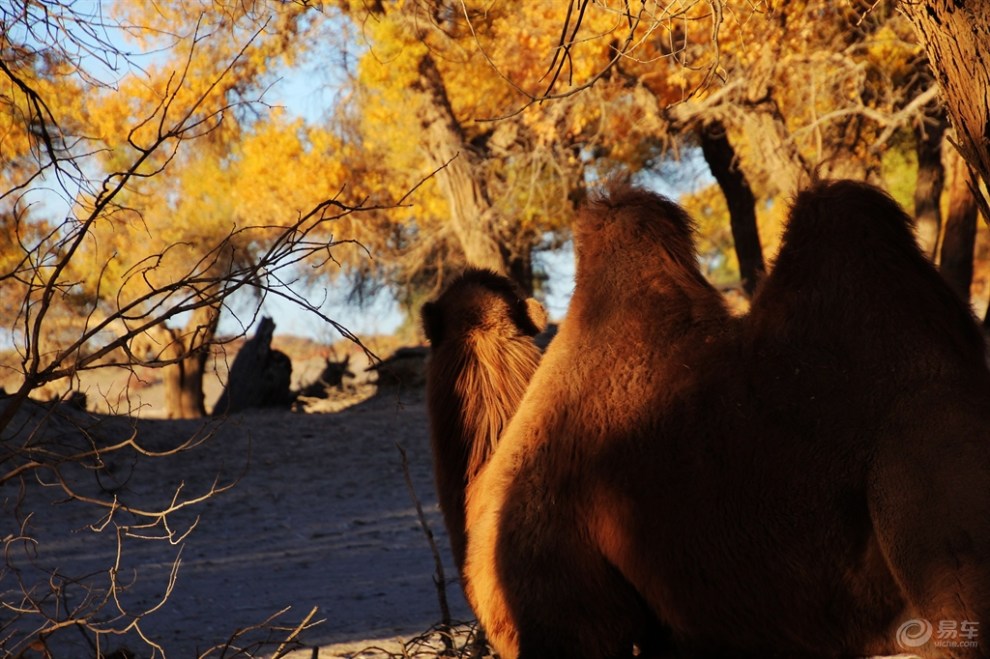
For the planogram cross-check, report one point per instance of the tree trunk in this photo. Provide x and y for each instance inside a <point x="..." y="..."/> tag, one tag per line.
<point x="190" y="395"/>
<point x="188" y="351"/>
<point x="521" y="271"/>
<point x="774" y="154"/>
<point x="461" y="178"/>
<point x="739" y="198"/>
<point x="929" y="183"/>
<point x="776" y="163"/>
<point x="956" y="262"/>
<point x="956" y="36"/>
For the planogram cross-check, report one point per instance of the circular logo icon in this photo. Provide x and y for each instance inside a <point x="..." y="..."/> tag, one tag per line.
<point x="914" y="633"/>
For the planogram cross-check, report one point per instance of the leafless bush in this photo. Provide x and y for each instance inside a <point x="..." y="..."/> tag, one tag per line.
<point x="463" y="640"/>
<point x="101" y="476"/>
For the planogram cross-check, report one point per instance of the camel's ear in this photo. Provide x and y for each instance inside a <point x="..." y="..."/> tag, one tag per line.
<point x="536" y="314"/>
<point x="432" y="322"/>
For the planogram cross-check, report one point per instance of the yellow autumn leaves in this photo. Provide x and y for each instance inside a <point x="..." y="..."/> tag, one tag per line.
<point x="192" y="77"/>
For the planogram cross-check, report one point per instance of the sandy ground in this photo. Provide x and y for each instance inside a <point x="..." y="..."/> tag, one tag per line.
<point x="319" y="516"/>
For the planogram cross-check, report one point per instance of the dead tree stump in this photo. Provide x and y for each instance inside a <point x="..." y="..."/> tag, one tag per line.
<point x="259" y="376"/>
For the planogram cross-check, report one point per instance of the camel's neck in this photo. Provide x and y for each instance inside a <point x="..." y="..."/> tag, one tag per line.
<point x="491" y="386"/>
<point x="473" y="395"/>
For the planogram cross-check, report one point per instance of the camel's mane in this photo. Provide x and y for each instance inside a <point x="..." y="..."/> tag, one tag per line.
<point x="490" y="378"/>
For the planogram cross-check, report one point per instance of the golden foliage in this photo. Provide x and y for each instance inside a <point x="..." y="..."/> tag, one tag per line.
<point x="169" y="166"/>
<point x="718" y="260"/>
<point x="827" y="69"/>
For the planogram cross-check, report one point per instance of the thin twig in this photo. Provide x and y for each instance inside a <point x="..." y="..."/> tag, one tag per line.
<point x="439" y="579"/>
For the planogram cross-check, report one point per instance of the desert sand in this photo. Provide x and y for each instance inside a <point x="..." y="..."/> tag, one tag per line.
<point x="318" y="515"/>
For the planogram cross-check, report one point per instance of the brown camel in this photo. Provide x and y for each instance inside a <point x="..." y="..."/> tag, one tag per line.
<point x="482" y="356"/>
<point x="896" y="380"/>
<point x="805" y="481"/>
<point x="537" y="577"/>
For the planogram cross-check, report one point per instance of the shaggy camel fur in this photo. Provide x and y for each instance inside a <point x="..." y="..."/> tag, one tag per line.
<point x="538" y="578"/>
<point x="482" y="356"/>
<point x="799" y="482"/>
